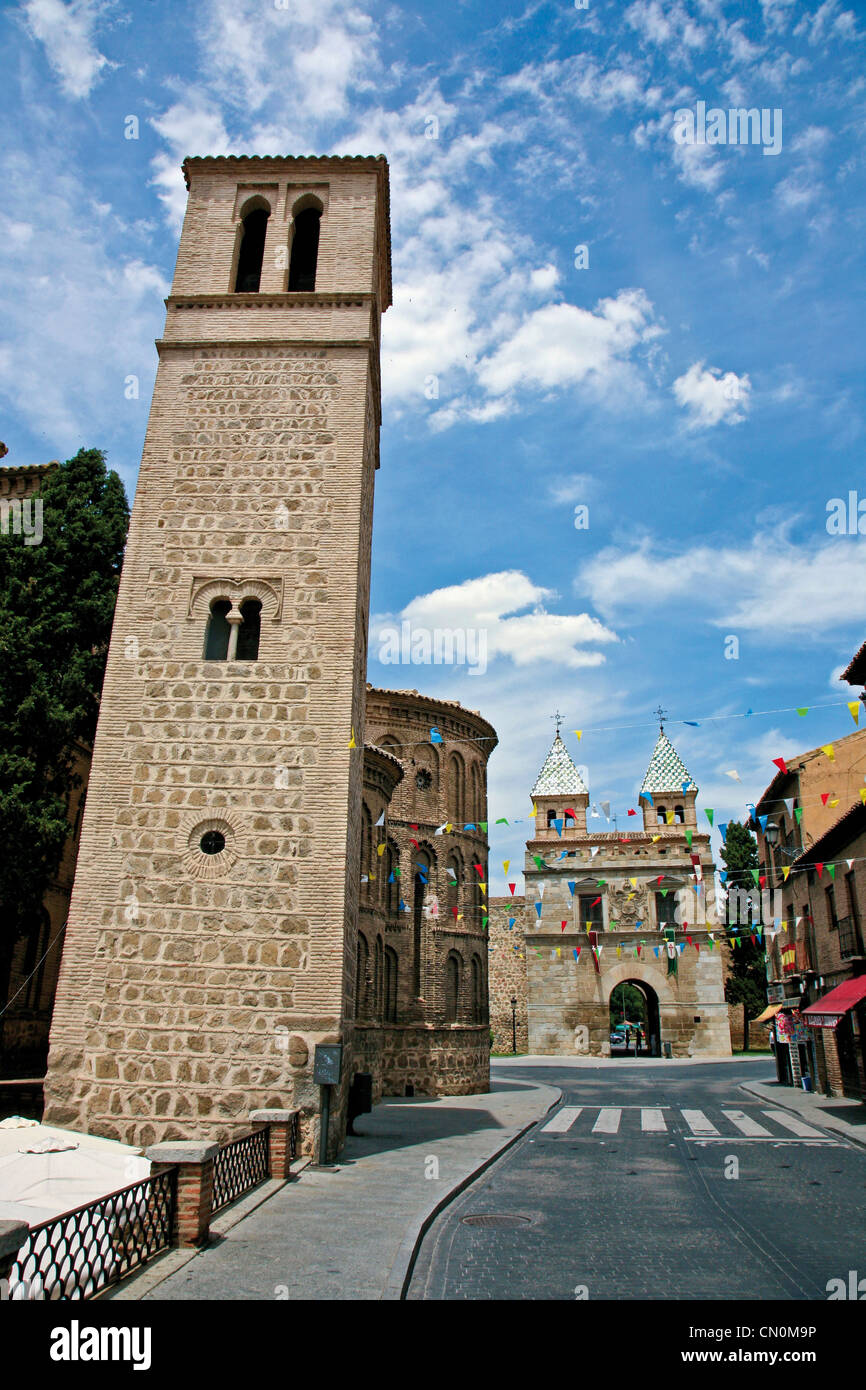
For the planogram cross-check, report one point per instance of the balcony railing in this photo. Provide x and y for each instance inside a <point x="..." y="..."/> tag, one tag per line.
<point x="850" y="940"/>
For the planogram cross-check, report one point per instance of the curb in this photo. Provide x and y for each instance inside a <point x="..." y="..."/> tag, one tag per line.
<point x="400" y="1275"/>
<point x="830" y="1123"/>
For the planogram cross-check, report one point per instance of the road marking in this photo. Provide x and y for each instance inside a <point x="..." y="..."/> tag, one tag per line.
<point x="608" y="1121"/>
<point x="653" y="1122"/>
<point x="698" y="1122"/>
<point x="562" y="1120"/>
<point x="744" y="1139"/>
<point x="793" y="1124"/>
<point x="746" y="1125"/>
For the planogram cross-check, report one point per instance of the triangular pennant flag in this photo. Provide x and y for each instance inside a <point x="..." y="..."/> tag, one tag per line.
<point x="831" y="870"/>
<point x="579" y="733"/>
<point x="689" y="838"/>
<point x="571" y="888"/>
<point x="803" y="711"/>
<point x="511" y="888"/>
<point x="709" y="813"/>
<point x="381" y="820"/>
<point x="502" y="820"/>
<point x="780" y="764"/>
<point x="798" y="814"/>
<point x="828" y="749"/>
<point x="564" y="925"/>
<point x="825" y="797"/>
<point x="352" y="743"/>
<point x="435" y="736"/>
<point x="380" y="849"/>
<point x="854" y="707"/>
<point x="733" y="773"/>
<point x="786" y="869"/>
<point x="820" y="868"/>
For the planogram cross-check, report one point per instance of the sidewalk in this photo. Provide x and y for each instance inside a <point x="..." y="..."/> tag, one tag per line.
<point x="579" y="1060"/>
<point x="351" y="1232"/>
<point x="847" y="1117"/>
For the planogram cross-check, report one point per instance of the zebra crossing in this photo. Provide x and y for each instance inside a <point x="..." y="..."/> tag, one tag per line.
<point x="765" y="1126"/>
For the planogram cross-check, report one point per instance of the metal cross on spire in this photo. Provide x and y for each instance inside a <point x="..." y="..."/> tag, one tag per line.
<point x="558" y="719"/>
<point x="662" y="716"/>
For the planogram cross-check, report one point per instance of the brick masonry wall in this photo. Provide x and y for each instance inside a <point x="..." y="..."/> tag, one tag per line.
<point x="181" y="976"/>
<point x="507" y="973"/>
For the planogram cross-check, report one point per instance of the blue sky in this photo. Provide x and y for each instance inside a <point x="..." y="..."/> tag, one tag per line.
<point x="697" y="386"/>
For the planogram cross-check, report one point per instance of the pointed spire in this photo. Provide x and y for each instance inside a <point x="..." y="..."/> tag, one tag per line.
<point x="558" y="776"/>
<point x="667" y="772"/>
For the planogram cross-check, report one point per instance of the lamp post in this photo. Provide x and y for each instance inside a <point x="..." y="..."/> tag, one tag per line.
<point x="514" y="1025"/>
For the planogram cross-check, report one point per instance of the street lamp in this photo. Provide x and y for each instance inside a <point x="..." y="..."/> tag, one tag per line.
<point x="771" y="833"/>
<point x="514" y="1024"/>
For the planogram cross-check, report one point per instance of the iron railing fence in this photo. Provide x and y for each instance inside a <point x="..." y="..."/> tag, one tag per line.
<point x="850" y="941"/>
<point x="241" y="1165"/>
<point x="85" y="1250"/>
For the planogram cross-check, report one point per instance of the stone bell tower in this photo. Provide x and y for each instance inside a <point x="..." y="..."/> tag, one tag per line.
<point x="211" y="934"/>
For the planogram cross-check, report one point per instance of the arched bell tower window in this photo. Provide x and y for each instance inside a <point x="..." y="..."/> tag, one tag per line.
<point x="252" y="251"/>
<point x="305" y="250"/>
<point x="250" y="630"/>
<point x="679" y="815"/>
<point x="661" y="814"/>
<point x="218" y="631"/>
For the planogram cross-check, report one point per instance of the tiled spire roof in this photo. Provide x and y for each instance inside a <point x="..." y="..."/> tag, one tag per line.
<point x="559" y="776"/>
<point x="667" y="772"/>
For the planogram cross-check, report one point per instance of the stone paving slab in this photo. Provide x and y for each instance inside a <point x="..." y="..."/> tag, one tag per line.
<point x="351" y="1232"/>
<point x="836" y="1113"/>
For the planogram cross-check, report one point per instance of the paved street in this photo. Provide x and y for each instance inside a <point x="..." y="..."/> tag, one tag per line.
<point x="655" y="1182"/>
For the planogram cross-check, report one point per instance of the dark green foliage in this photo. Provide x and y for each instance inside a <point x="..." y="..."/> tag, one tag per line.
<point x="56" y="607"/>
<point x="747" y="982"/>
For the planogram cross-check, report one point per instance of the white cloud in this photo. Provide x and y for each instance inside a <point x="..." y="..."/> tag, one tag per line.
<point x="562" y="344"/>
<point x="188" y="130"/>
<point x="772" y="587"/>
<point x="492" y="605"/>
<point x="317" y="54"/>
<point x="66" y="33"/>
<point x="710" y="397"/>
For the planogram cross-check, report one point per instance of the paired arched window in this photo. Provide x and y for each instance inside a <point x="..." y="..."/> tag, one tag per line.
<point x="305" y="250"/>
<point x="661" y="814"/>
<point x="234" y="639"/>
<point x="252" y="251"/>
<point x="679" y="815"/>
<point x="452" y="987"/>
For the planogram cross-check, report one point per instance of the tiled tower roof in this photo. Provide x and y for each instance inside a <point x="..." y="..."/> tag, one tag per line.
<point x="667" y="772"/>
<point x="559" y="776"/>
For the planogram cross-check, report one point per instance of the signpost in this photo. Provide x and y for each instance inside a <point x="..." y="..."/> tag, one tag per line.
<point x="327" y="1066"/>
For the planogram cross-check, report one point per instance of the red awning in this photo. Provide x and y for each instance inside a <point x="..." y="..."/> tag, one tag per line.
<point x="827" y="1012"/>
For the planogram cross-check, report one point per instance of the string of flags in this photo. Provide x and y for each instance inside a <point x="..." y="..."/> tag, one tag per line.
<point x="853" y="707"/>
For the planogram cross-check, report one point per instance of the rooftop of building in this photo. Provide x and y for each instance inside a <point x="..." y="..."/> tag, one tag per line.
<point x="559" y="775"/>
<point x="667" y="772"/>
<point x="430" y="705"/>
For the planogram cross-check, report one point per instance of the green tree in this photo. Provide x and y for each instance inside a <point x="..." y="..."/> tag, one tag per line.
<point x="747" y="983"/>
<point x="56" y="606"/>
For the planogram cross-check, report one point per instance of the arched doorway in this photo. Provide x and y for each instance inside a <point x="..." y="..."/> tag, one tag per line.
<point x="634" y="1020"/>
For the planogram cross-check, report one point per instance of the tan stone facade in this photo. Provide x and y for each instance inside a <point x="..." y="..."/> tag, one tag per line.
<point x="181" y="969"/>
<point x="617" y="899"/>
<point x="216" y="924"/>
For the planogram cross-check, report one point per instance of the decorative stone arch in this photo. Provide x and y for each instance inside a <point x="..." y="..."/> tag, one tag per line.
<point x="210" y="866"/>
<point x="649" y="975"/>
<point x="269" y="593"/>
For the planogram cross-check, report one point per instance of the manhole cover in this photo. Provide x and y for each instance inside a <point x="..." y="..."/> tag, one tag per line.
<point x="493" y="1219"/>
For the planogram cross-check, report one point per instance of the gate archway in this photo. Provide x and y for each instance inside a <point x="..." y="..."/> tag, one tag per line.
<point x="634" y="1016"/>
